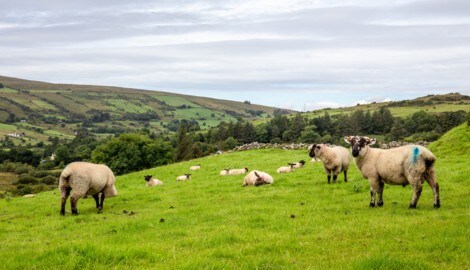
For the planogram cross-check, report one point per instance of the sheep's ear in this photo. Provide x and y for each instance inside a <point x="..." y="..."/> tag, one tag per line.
<point x="257" y="175"/>
<point x="372" y="141"/>
<point x="348" y="139"/>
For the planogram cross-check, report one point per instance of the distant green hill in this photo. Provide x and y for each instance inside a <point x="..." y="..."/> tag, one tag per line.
<point x="43" y="110"/>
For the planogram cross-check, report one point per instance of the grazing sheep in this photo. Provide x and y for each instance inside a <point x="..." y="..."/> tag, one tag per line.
<point x="410" y="164"/>
<point x="184" y="177"/>
<point x="335" y="159"/>
<point x="224" y="172"/>
<point x="152" y="182"/>
<point x="257" y="178"/>
<point x="286" y="169"/>
<point x="238" y="171"/>
<point x="85" y="178"/>
<point x="195" y="168"/>
<point x="299" y="164"/>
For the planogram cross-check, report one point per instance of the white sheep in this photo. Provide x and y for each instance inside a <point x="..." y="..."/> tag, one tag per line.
<point x="152" y="181"/>
<point x="238" y="171"/>
<point x="410" y="164"/>
<point x="286" y="169"/>
<point x="257" y="178"/>
<point x="184" y="177"/>
<point x="335" y="159"/>
<point x="195" y="168"/>
<point x="299" y="164"/>
<point x="224" y="172"/>
<point x="86" y="178"/>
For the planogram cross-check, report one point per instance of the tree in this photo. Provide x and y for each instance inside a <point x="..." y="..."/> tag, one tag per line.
<point x="184" y="145"/>
<point x="309" y="135"/>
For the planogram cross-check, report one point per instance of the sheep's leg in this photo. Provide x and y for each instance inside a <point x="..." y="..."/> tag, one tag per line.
<point x="374" y="186"/>
<point x="345" y="176"/>
<point x="65" y="192"/>
<point x="73" y="202"/>
<point x="329" y="177"/>
<point x="335" y="176"/>
<point x="380" y="190"/>
<point x="100" y="208"/>
<point x="417" y="188"/>
<point x="97" y="200"/>
<point x="430" y="177"/>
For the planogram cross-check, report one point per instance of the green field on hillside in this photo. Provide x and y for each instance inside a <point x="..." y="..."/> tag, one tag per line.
<point x="212" y="222"/>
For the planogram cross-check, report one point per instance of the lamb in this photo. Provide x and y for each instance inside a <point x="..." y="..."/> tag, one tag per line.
<point x="238" y="171"/>
<point x="224" y="172"/>
<point x="184" y="177"/>
<point x="299" y="164"/>
<point x="286" y="169"/>
<point x="195" y="168"/>
<point x="86" y="178"/>
<point x="257" y="178"/>
<point x="409" y="164"/>
<point x="335" y="159"/>
<point x="152" y="181"/>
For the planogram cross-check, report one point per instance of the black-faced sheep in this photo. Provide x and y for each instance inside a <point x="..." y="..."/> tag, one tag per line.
<point x="85" y="178"/>
<point x="152" y="181"/>
<point x="410" y="164"/>
<point x="184" y="177"/>
<point x="238" y="171"/>
<point x="299" y="164"/>
<point x="286" y="169"/>
<point x="335" y="159"/>
<point x="257" y="178"/>
<point x="195" y="168"/>
<point x="224" y="172"/>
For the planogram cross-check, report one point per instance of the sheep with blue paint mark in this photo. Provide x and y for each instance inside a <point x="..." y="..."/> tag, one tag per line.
<point x="410" y="164"/>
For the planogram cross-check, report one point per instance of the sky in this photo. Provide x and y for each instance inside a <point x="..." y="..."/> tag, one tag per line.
<point x="294" y="54"/>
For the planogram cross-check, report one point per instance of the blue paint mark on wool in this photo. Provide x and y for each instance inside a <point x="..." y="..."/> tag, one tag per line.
<point x="415" y="155"/>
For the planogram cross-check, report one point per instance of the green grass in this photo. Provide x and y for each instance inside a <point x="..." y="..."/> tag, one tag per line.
<point x="7" y="127"/>
<point x="175" y="101"/>
<point x="299" y="222"/>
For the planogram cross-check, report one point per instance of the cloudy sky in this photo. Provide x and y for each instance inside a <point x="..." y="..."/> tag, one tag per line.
<point x="293" y="54"/>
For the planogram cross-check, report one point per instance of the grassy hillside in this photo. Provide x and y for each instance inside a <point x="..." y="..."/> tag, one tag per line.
<point x="58" y="108"/>
<point x="300" y="222"/>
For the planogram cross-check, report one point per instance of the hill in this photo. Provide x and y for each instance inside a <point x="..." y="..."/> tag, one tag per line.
<point x="300" y="222"/>
<point x="42" y="110"/>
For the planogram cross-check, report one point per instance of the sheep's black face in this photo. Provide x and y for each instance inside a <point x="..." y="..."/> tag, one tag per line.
<point x="259" y="181"/>
<point x="312" y="150"/>
<point x="147" y="177"/>
<point x="357" y="144"/>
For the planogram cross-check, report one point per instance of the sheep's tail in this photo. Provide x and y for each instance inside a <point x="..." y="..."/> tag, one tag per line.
<point x="430" y="176"/>
<point x="65" y="175"/>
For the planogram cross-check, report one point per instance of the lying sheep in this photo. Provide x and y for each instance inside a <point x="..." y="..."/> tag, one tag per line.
<point x="184" y="177"/>
<point x="224" y="172"/>
<point x="238" y="171"/>
<point x="299" y="164"/>
<point x="286" y="169"/>
<point x="152" y="182"/>
<point x="85" y="178"/>
<point x="257" y="178"/>
<point x="335" y="159"/>
<point x="410" y="164"/>
<point x="195" y="168"/>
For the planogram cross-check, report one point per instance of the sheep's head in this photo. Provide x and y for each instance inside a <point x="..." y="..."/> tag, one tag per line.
<point x="246" y="169"/>
<point x="259" y="180"/>
<point x="147" y="178"/>
<point x="302" y="162"/>
<point x="358" y="143"/>
<point x="315" y="148"/>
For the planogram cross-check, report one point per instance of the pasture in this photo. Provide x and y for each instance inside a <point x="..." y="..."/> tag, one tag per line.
<point x="212" y="222"/>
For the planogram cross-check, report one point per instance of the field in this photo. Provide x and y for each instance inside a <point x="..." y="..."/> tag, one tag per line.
<point x="212" y="222"/>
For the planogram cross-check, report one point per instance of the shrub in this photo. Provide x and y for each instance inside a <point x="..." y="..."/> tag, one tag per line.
<point x="22" y="169"/>
<point x="28" y="179"/>
<point x="50" y="180"/>
<point x="23" y="190"/>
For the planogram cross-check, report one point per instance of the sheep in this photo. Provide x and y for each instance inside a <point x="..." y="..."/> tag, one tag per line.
<point x="286" y="169"/>
<point x="257" y="178"/>
<point x="184" y="177"/>
<point x="152" y="182"/>
<point x="238" y="171"/>
<point x="224" y="172"/>
<point x="86" y="178"/>
<point x="335" y="159"/>
<point x="299" y="164"/>
<point x="195" y="168"/>
<point x="410" y="164"/>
